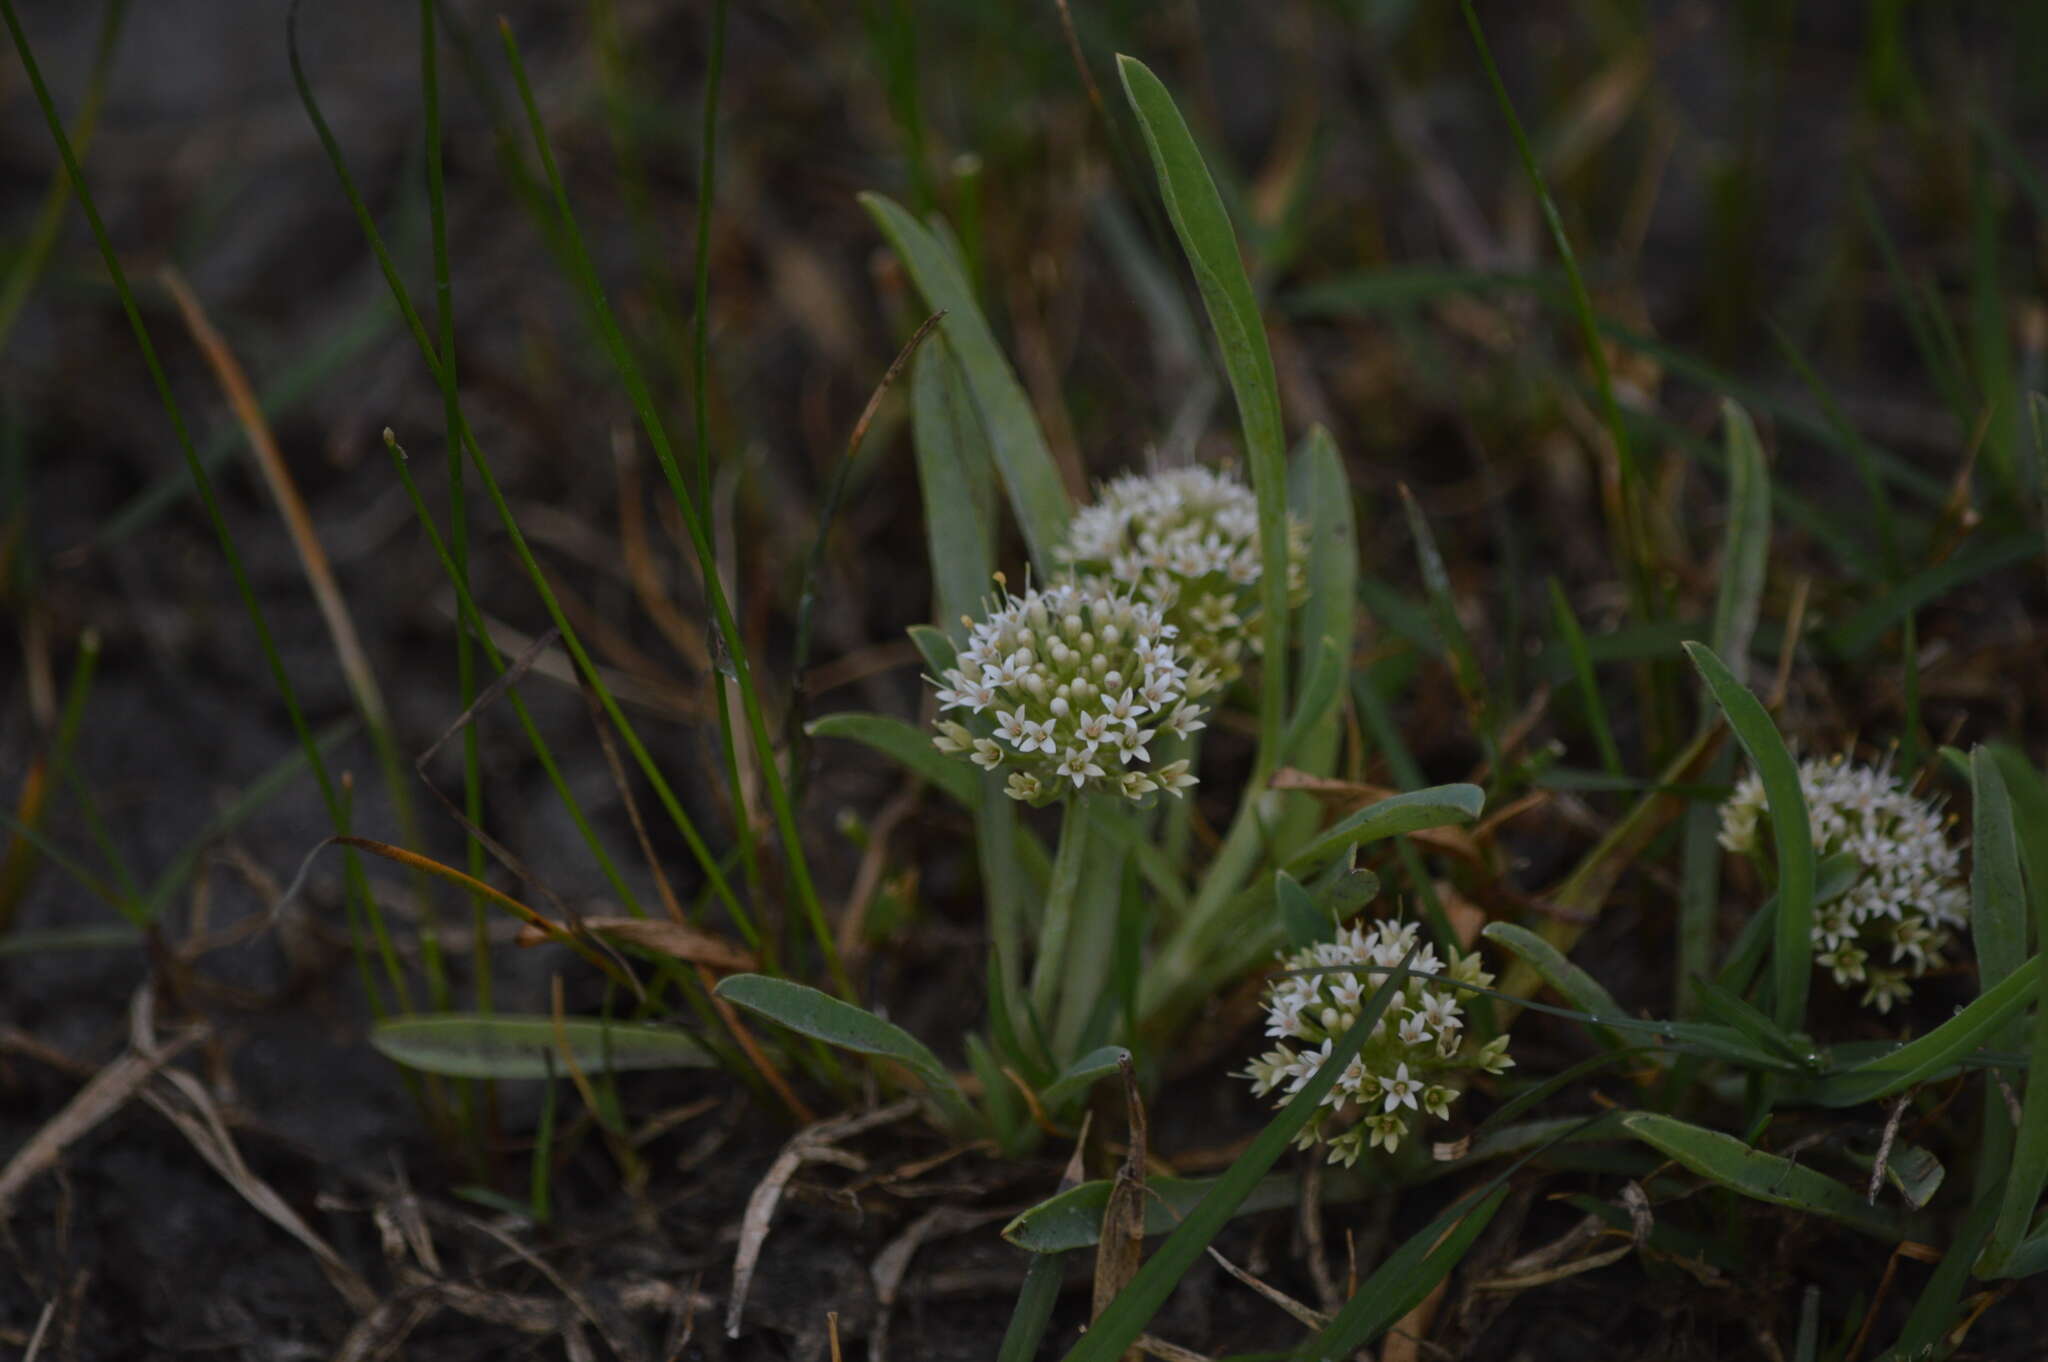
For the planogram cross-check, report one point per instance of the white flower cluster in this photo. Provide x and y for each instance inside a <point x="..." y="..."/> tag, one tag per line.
<point x="1896" y="920"/>
<point x="1419" y="1038"/>
<point x="1186" y="540"/>
<point x="1064" y="688"/>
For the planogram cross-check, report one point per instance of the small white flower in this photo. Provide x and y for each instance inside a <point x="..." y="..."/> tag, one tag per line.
<point x="952" y="738"/>
<point x="1174" y="777"/>
<point x="987" y="754"/>
<point x="1400" y="1090"/>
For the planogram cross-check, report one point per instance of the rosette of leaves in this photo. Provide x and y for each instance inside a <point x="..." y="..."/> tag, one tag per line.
<point x="1410" y="1066"/>
<point x="1899" y="917"/>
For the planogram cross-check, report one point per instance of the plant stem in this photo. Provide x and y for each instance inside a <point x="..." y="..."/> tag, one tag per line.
<point x="1058" y="919"/>
<point x="1242" y="847"/>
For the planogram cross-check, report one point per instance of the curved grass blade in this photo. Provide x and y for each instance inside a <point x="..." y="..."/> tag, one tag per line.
<point x="1037" y="495"/>
<point x="1761" y="1176"/>
<point x="1939" y="1050"/>
<point x="1126" y="1317"/>
<point x="1573" y="984"/>
<point x="1791" y="834"/>
<point x="823" y="1017"/>
<point x="1436" y="807"/>
<point x="464" y="1045"/>
<point x="1205" y="233"/>
<point x="1574" y="640"/>
<point x="1410" y="1273"/>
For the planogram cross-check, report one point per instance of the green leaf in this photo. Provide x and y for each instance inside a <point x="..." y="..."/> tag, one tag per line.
<point x="1998" y="902"/>
<point x="1035" y="1300"/>
<point x="823" y="1017"/>
<point x="505" y="1045"/>
<point x="1746" y="546"/>
<point x="1301" y="922"/>
<point x="1940" y="1049"/>
<point x="1126" y="1316"/>
<point x="935" y="647"/>
<point x="1075" y="1080"/>
<point x="1996" y="883"/>
<point x="1037" y="495"/>
<point x="1202" y="225"/>
<point x="910" y="746"/>
<point x="956" y="475"/>
<point x="1573" y="984"/>
<point x="1791" y="834"/>
<point x="1436" y="807"/>
<point x="1073" y="1218"/>
<point x="1763" y="1177"/>
<point x="1410" y="1273"/>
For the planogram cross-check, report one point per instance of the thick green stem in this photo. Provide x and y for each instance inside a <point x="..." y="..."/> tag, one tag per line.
<point x="1093" y="939"/>
<point x="1058" y="919"/>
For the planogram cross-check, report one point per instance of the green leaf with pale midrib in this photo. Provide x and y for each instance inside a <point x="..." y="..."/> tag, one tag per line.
<point x="508" y="1046"/>
<point x="1763" y="1176"/>
<point x="824" y="1017"/>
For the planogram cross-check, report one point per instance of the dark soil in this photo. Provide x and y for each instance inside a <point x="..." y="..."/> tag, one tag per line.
<point x="133" y="1246"/>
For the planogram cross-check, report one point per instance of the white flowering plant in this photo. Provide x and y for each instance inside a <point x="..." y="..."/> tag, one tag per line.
<point x="1412" y="1063"/>
<point x="1898" y="913"/>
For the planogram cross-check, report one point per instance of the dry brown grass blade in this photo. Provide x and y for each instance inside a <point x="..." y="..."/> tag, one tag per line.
<point x="814" y="1144"/>
<point x="381" y="1333"/>
<point x="1307" y="1314"/>
<point x="683" y="634"/>
<point x="684" y="942"/>
<point x="1152" y="1346"/>
<point x="867" y="881"/>
<point x="106" y="1093"/>
<point x="1122" y="1245"/>
<point x="234" y="383"/>
<point x="201" y="1125"/>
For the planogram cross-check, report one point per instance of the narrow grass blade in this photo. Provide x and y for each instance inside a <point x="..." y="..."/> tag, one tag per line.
<point x="1302" y="923"/>
<point x="1792" y="835"/>
<point x="462" y="1045"/>
<point x="1436" y="807"/>
<point x="1980" y="557"/>
<point x="1630" y="540"/>
<point x="333" y="798"/>
<point x="1996" y="883"/>
<point x="956" y="474"/>
<point x="1939" y="1050"/>
<point x="1574" y="641"/>
<point x="34" y="254"/>
<point x="824" y="1017"/>
<point x="1409" y="1274"/>
<point x="1998" y="900"/>
<point x="1573" y="984"/>
<point x="1761" y="1176"/>
<point x="1850" y="439"/>
<point x="695" y="519"/>
<point x="1205" y="233"/>
<point x="1119" y="1325"/>
<point x="1072" y="1219"/>
<point x="1035" y="1300"/>
<point x="1450" y="630"/>
<point x="1037" y="495"/>
<point x="1746" y="546"/>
